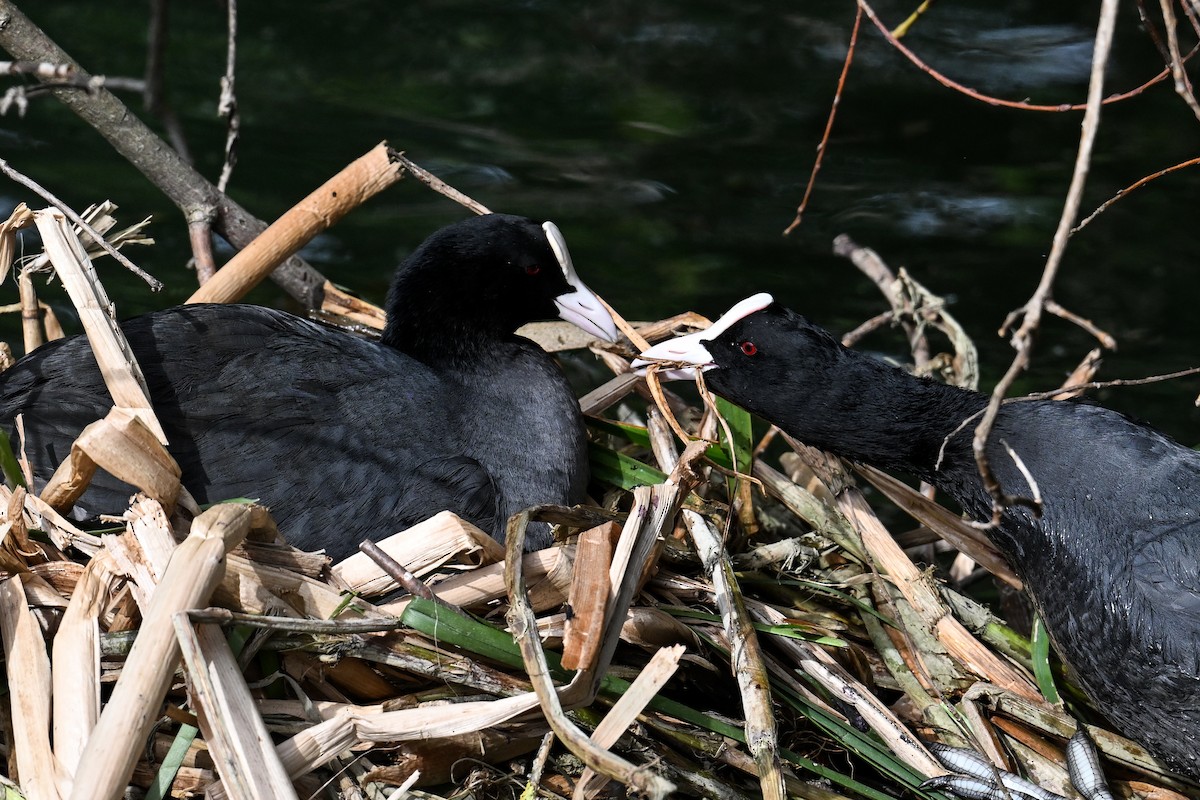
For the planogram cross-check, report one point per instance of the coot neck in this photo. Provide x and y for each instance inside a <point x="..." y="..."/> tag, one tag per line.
<point x="451" y="341"/>
<point x="877" y="414"/>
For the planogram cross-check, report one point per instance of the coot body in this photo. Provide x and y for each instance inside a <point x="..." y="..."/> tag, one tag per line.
<point x="345" y="438"/>
<point x="1113" y="564"/>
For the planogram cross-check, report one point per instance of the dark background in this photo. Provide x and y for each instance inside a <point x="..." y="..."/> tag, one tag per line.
<point x="671" y="142"/>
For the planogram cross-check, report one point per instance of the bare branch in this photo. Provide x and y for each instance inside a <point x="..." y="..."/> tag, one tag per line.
<point x="1022" y="339"/>
<point x="837" y="99"/>
<point x="227" y="107"/>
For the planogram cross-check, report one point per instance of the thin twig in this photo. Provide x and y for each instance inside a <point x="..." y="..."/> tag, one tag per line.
<point x="438" y="185"/>
<point x="1191" y="162"/>
<point x="1022" y="339"/>
<point x="837" y="99"/>
<point x="1183" y="86"/>
<point x="996" y="101"/>
<point x="29" y="183"/>
<point x="397" y="572"/>
<point x="228" y="107"/>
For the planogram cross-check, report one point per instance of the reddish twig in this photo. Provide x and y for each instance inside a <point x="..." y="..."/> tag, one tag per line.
<point x="996" y="101"/>
<point x="837" y="99"/>
<point x="1191" y="162"/>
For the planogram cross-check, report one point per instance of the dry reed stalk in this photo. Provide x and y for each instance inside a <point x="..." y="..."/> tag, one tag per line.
<point x="61" y="530"/>
<point x="582" y="688"/>
<point x="745" y="656"/>
<point x="148" y="525"/>
<point x="550" y="574"/>
<point x="76" y="663"/>
<point x="42" y="777"/>
<point x="118" y="367"/>
<point x="588" y="596"/>
<point x="257" y="589"/>
<point x="945" y="523"/>
<point x="982" y="735"/>
<point x="421" y="549"/>
<point x="842" y="685"/>
<point x="50" y="321"/>
<point x="317" y="745"/>
<point x="356" y="183"/>
<point x="624" y="713"/>
<point x="194" y="572"/>
<point x="608" y="394"/>
<point x="340" y="304"/>
<point x="890" y="560"/>
<point x="808" y="507"/>
<point x="123" y="446"/>
<point x="239" y="741"/>
<point x="31" y="323"/>
<point x="21" y="217"/>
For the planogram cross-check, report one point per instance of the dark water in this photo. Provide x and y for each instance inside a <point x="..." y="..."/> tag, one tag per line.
<point x="671" y="142"/>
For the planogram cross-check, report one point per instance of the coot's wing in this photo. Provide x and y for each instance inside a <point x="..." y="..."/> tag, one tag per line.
<point x="344" y="439"/>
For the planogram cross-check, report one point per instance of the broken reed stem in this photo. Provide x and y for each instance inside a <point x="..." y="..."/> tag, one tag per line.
<point x="31" y="317"/>
<point x="97" y="237"/>
<point x="745" y="655"/>
<point x="196" y="568"/>
<point x="360" y="180"/>
<point x="233" y="729"/>
<point x="117" y="364"/>
<point x="29" y="691"/>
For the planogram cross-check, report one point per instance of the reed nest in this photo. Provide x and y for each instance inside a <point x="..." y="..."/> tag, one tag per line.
<point x="733" y="619"/>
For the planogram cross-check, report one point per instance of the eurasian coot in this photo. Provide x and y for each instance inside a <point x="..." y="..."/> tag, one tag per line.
<point x="1113" y="564"/>
<point x="344" y="438"/>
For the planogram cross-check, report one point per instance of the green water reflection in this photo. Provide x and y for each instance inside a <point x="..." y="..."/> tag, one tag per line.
<point x="671" y="142"/>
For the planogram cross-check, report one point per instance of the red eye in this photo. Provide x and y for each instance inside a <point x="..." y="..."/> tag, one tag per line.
<point x="749" y="348"/>
<point x="533" y="269"/>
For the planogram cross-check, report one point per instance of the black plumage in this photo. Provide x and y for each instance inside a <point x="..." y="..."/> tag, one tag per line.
<point x="1112" y="564"/>
<point x="345" y="438"/>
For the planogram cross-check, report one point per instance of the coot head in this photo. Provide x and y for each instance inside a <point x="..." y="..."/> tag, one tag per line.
<point x="756" y="344"/>
<point x="487" y="276"/>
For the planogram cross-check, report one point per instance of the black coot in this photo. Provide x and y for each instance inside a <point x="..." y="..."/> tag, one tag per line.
<point x="1113" y="564"/>
<point x="343" y="438"/>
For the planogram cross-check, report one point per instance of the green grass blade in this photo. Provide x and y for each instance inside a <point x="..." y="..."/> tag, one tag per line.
<point x="8" y="463"/>
<point x="620" y="470"/>
<point x="1041" y="661"/>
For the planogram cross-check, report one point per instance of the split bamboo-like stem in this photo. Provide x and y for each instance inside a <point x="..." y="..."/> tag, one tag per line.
<point x="241" y="746"/>
<point x="119" y="368"/>
<point x="195" y="570"/>
<point x="29" y="687"/>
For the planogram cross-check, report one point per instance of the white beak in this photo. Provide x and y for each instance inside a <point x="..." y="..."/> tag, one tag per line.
<point x="691" y="350"/>
<point x="688" y="349"/>
<point x="580" y="307"/>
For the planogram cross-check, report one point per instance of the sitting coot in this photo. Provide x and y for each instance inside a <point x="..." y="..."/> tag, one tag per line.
<point x="343" y="438"/>
<point x="1113" y="564"/>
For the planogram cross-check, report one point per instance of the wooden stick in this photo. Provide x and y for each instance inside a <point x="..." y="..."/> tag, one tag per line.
<point x="359" y="181"/>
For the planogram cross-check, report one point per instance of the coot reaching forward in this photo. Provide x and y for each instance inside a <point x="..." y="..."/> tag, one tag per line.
<point x="347" y="439"/>
<point x="1113" y="564"/>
